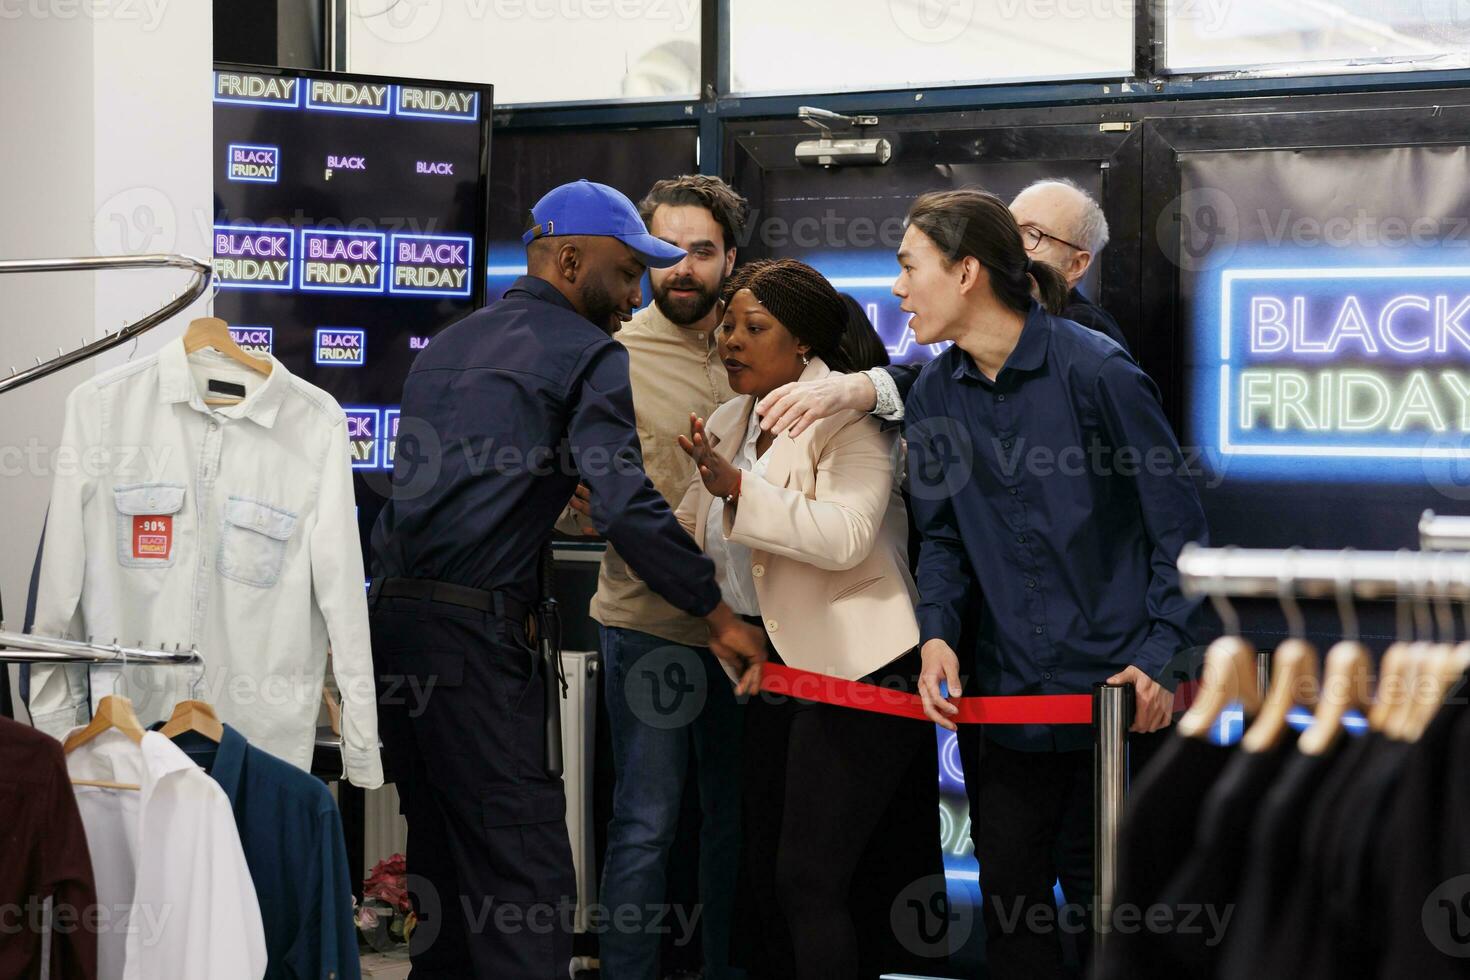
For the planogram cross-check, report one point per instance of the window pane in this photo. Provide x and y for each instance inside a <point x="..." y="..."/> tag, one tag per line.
<point x="1287" y="36"/>
<point x="535" y="51"/>
<point x="847" y="45"/>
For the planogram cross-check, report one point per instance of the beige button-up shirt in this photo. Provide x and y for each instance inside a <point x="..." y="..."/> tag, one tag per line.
<point x="674" y="370"/>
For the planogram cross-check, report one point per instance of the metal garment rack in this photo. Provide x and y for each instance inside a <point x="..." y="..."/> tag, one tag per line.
<point x="1444" y="532"/>
<point x="1285" y="574"/>
<point x="1268" y="573"/>
<point x="1441" y="571"/>
<point x="28" y="648"/>
<point x="63" y="360"/>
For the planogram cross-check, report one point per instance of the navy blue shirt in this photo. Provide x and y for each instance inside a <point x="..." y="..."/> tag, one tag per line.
<point x="1080" y="309"/>
<point x="503" y="413"/>
<point x="291" y="834"/>
<point x="1057" y="494"/>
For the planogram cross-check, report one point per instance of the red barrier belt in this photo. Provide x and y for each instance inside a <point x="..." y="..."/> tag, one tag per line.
<point x="1037" y="709"/>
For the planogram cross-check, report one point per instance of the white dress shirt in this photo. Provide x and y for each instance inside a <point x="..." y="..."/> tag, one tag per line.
<point x="232" y="529"/>
<point x="731" y="558"/>
<point x="175" y="899"/>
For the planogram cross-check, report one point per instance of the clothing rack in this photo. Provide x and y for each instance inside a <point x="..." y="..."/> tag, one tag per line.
<point x="1444" y="532"/>
<point x="29" y="648"/>
<point x="1268" y="573"/>
<point x="63" y="360"/>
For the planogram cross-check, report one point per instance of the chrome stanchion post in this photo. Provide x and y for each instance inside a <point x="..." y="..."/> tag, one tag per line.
<point x="1112" y="713"/>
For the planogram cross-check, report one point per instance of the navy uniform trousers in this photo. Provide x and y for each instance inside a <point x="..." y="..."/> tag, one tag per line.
<point x="461" y="717"/>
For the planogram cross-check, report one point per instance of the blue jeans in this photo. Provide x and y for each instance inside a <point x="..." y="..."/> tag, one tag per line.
<point x="663" y="701"/>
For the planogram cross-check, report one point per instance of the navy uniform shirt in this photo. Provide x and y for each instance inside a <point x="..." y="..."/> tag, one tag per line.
<point x="503" y="413"/>
<point x="1056" y="493"/>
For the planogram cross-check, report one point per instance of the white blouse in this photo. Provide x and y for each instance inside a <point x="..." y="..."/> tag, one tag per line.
<point x="732" y="559"/>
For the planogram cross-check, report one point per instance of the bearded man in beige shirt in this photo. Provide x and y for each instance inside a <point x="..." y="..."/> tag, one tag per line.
<point x="665" y="693"/>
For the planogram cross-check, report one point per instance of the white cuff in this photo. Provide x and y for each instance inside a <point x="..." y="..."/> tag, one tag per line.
<point x="363" y="769"/>
<point x="889" y="405"/>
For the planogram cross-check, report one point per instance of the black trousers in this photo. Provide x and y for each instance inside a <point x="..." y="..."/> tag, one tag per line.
<point x="819" y="783"/>
<point x="1031" y="820"/>
<point x="460" y="713"/>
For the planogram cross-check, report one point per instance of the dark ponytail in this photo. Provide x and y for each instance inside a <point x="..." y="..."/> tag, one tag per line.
<point x="971" y="223"/>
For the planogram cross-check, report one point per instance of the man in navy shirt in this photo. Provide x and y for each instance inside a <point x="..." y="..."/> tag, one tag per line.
<point x="503" y="414"/>
<point x="1051" y="493"/>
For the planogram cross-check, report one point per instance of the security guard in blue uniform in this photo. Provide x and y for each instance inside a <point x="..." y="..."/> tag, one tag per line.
<point x="503" y="414"/>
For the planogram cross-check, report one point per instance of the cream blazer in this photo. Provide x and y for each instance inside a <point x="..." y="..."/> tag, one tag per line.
<point x="828" y="536"/>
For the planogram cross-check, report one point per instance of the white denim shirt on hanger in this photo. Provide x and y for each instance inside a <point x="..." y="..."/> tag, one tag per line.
<point x="232" y="529"/>
<point x="732" y="559"/>
<point x="174" y="894"/>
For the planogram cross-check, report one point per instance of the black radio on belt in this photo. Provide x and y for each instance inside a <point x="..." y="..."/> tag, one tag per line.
<point x="548" y="638"/>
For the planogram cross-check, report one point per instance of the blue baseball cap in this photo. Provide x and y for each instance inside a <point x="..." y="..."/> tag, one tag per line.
<point x="586" y="208"/>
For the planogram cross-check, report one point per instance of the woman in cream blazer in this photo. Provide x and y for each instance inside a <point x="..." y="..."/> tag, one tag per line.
<point x="809" y="538"/>
<point x="828" y="537"/>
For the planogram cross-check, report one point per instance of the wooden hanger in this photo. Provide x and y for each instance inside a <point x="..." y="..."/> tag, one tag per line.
<point x="1345" y="683"/>
<point x="194" y="716"/>
<point x="1390" y="692"/>
<point x="113" y="711"/>
<point x="1293" y="682"/>
<point x="1418" y="669"/>
<point x="1346" y="676"/>
<point x="1230" y="675"/>
<point x="1444" y="665"/>
<point x="211" y="331"/>
<point x="1430" y="682"/>
<point x="1446" y="669"/>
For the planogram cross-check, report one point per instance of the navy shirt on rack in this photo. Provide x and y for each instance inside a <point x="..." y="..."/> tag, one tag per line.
<point x="502" y="415"/>
<point x="1420" y="815"/>
<point x="1056" y="493"/>
<point x="1257" y="945"/>
<point x="1158" y="829"/>
<point x="291" y="834"/>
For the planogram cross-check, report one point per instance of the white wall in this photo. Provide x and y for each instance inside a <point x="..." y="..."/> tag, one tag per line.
<point x="105" y="126"/>
<point x="534" y="50"/>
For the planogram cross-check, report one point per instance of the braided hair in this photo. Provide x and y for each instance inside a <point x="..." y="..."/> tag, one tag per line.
<point x="802" y="299"/>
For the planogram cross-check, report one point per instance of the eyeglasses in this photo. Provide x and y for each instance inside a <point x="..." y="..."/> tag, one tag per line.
<point x="1031" y="237"/>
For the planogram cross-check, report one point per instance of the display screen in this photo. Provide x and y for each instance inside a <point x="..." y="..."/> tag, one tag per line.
<point x="629" y="160"/>
<point x="350" y="220"/>
<point x="1326" y="315"/>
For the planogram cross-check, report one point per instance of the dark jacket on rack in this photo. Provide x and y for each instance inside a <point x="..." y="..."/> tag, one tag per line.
<point x="43" y="854"/>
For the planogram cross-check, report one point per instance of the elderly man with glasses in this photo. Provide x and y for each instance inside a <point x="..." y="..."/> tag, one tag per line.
<point x="1063" y="226"/>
